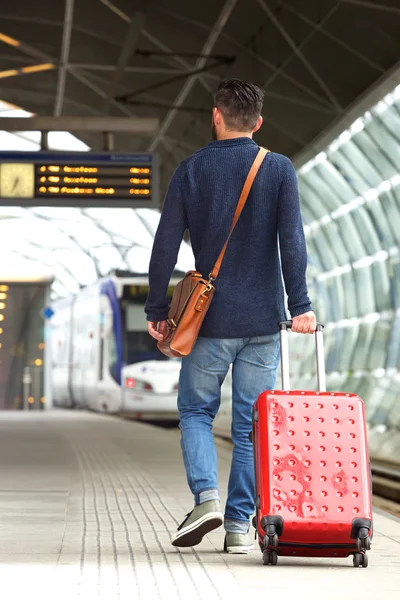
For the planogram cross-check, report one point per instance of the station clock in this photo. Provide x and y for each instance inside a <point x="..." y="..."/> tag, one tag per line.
<point x="17" y="180"/>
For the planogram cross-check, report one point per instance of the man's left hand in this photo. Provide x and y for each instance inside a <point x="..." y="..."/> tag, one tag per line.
<point x="157" y="330"/>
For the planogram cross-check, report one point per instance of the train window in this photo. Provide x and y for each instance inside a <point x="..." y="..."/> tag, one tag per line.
<point x="138" y="345"/>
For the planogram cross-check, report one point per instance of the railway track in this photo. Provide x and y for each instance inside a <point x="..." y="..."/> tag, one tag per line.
<point x="386" y="486"/>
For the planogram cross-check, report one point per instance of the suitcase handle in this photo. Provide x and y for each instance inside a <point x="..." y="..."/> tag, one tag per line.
<point x="319" y="349"/>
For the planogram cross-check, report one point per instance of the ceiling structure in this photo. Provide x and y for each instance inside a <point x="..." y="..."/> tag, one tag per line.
<point x="312" y="58"/>
<point x="164" y="59"/>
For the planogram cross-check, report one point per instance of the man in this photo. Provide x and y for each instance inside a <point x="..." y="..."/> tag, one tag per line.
<point x="241" y="326"/>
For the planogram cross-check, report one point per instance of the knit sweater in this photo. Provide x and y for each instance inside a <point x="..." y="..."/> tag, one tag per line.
<point x="202" y="197"/>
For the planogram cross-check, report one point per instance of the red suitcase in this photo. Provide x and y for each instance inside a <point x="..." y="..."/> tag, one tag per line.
<point x="313" y="483"/>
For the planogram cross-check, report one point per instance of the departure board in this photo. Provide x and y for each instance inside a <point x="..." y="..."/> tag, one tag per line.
<point x="79" y="179"/>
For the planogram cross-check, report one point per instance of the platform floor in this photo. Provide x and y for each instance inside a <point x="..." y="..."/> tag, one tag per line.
<point x="87" y="507"/>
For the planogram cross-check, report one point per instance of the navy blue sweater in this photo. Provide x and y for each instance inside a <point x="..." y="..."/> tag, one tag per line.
<point x="202" y="196"/>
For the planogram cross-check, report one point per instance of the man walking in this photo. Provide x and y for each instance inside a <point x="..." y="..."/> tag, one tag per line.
<point x="241" y="326"/>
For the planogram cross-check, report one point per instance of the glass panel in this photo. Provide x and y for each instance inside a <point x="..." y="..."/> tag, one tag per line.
<point x="8" y="141"/>
<point x="375" y="155"/>
<point x="79" y="264"/>
<point x="62" y="140"/>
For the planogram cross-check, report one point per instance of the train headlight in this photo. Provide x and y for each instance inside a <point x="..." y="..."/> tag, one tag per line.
<point x="130" y="382"/>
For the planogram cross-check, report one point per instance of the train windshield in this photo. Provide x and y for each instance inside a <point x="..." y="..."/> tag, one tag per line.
<point x="138" y="345"/>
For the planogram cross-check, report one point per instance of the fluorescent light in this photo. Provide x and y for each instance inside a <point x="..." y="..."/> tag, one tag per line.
<point x="37" y="68"/>
<point x="9" y="40"/>
<point x="371" y="318"/>
<point x="366" y="261"/>
<point x="381" y="256"/>
<point x="9" y="73"/>
<point x="371" y="194"/>
<point x="357" y="126"/>
<point x="381" y="107"/>
<point x="379" y="373"/>
<point x="389" y="99"/>
<point x="321" y="157"/>
<point x="345" y="136"/>
<point x="385" y="186"/>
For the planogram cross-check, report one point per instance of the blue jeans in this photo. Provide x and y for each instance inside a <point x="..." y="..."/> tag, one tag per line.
<point x="254" y="364"/>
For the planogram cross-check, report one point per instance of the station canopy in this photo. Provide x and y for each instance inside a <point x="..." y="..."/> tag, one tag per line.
<point x="75" y="246"/>
<point x="164" y="59"/>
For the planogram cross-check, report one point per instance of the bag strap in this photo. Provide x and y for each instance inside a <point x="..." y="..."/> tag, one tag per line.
<point x="242" y="201"/>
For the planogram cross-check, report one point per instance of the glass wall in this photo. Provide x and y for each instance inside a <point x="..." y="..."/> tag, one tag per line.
<point x="350" y="195"/>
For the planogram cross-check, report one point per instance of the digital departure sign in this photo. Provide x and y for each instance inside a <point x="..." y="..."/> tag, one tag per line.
<point x="79" y="179"/>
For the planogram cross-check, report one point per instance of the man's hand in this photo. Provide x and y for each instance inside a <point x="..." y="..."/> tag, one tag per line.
<point x="306" y="323"/>
<point x="157" y="330"/>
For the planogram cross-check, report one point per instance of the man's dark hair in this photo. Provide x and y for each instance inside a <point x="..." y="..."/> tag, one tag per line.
<point x="240" y="104"/>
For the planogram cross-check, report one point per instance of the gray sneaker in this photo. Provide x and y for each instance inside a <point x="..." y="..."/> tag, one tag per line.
<point x="238" y="543"/>
<point x="204" y="518"/>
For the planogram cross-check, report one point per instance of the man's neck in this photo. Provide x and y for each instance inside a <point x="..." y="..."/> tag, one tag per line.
<point x="229" y="135"/>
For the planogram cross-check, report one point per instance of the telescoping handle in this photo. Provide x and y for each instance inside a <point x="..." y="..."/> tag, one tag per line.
<point x="319" y="348"/>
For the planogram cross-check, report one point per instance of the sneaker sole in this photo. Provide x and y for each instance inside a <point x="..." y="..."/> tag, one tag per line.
<point x="194" y="533"/>
<point x="240" y="549"/>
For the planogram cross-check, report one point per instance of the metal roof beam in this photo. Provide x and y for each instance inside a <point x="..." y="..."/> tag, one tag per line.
<point x="319" y="27"/>
<point x="362" y="104"/>
<point x="128" y="69"/>
<point x="135" y="29"/>
<point x="374" y="5"/>
<point x="160" y="45"/>
<point x="98" y="124"/>
<point x="299" y="54"/>
<point x="223" y="17"/>
<point x="65" y="48"/>
<point x="249" y="51"/>
<point x="33" y="52"/>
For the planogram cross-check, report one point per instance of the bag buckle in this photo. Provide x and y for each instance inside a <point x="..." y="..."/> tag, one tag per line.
<point x="171" y="323"/>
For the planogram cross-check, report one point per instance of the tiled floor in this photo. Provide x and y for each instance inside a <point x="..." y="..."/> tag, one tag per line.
<point x="88" y="504"/>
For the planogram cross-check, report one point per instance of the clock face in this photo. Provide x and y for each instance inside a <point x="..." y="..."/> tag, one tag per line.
<point x="17" y="180"/>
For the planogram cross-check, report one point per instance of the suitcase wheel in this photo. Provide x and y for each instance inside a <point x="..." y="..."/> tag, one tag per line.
<point x="273" y="540"/>
<point x="363" y="542"/>
<point x="270" y="557"/>
<point x="360" y="560"/>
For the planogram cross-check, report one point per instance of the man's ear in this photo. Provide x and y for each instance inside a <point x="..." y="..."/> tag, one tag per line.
<point x="258" y="124"/>
<point x="217" y="116"/>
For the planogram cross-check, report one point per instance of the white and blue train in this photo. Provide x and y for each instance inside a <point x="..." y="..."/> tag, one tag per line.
<point x="102" y="357"/>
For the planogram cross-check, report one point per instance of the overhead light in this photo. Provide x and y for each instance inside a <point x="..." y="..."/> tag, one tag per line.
<point x="3" y="296"/>
<point x="1" y="317"/>
<point x="43" y="400"/>
<point x="9" y="40"/>
<point x="357" y="126"/>
<point x="9" y="73"/>
<point x="3" y="288"/>
<point x="3" y="305"/>
<point x="1" y="330"/>
<point x="41" y="346"/>
<point x="381" y="107"/>
<point x="37" y="68"/>
<point x="31" y="399"/>
<point x="371" y="318"/>
<point x="38" y="362"/>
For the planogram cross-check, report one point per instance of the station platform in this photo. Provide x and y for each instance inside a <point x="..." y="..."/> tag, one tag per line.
<point x="88" y="504"/>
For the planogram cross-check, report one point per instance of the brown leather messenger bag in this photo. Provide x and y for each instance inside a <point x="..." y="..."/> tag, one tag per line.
<point x="193" y="294"/>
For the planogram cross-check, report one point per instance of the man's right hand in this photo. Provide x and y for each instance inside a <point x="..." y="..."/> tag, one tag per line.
<point x="306" y="323"/>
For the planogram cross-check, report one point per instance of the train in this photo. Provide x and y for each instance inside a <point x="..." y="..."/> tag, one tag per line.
<point x="102" y="357"/>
